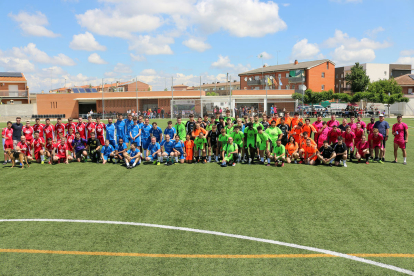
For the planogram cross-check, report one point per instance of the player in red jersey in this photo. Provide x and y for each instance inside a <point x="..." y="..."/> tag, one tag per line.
<point x="69" y="138"/>
<point x="59" y="127"/>
<point x="333" y="134"/>
<point x="70" y="124"/>
<point x="25" y="148"/>
<point x="39" y="127"/>
<point x="81" y="128"/>
<point x="90" y="127"/>
<point x="59" y="138"/>
<point x="400" y="132"/>
<point x="100" y="131"/>
<point x="8" y="141"/>
<point x="359" y="131"/>
<point x="38" y="145"/>
<point x="28" y="131"/>
<point x="349" y="137"/>
<point x="49" y="130"/>
<point x="62" y="154"/>
<point x="370" y="126"/>
<point x="50" y="150"/>
<point x="363" y="149"/>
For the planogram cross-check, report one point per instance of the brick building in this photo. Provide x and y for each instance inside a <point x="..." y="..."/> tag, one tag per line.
<point x="318" y="75"/>
<point x="407" y="83"/>
<point x="13" y="88"/>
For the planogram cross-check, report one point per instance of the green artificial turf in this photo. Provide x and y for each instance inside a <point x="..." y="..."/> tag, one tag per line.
<point x="359" y="209"/>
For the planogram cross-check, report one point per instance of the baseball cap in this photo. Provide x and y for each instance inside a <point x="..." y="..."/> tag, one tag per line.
<point x="381" y="115"/>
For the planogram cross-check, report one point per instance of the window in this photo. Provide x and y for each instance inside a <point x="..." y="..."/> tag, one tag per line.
<point x="280" y="75"/>
<point x="336" y="86"/>
<point x="323" y="74"/>
<point x="287" y="86"/>
<point x="257" y="77"/>
<point x="327" y="65"/>
<point x="342" y="75"/>
<point x="323" y="87"/>
<point x="256" y="88"/>
<point x="336" y="76"/>
<point x="287" y="75"/>
<point x="410" y="91"/>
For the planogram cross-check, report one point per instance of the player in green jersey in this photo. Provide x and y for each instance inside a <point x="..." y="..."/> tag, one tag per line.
<point x="238" y="138"/>
<point x="250" y="134"/>
<point x="256" y="122"/>
<point x="180" y="128"/>
<point x="263" y="145"/>
<point x="279" y="153"/>
<point x="229" y="153"/>
<point x="274" y="133"/>
<point x="200" y="145"/>
<point x="228" y="116"/>
<point x="229" y="126"/>
<point x="222" y="139"/>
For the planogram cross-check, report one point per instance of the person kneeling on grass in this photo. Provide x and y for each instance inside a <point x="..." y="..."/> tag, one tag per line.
<point x="229" y="153"/>
<point x="363" y="150"/>
<point x="94" y="147"/>
<point x="341" y="152"/>
<point x="279" y="152"/>
<point x="310" y="153"/>
<point x="178" y="150"/>
<point x="326" y="154"/>
<point x="78" y="144"/>
<point x="132" y="157"/>
<point x="292" y="148"/>
<point x="154" y="152"/>
<point x="107" y="152"/>
<point x="168" y="153"/>
<point x="119" y="150"/>
<point x="62" y="154"/>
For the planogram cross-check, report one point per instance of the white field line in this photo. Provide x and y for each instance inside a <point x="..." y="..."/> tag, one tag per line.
<point x="314" y="249"/>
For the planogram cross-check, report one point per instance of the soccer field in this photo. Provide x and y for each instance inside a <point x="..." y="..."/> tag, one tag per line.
<point x="272" y="215"/>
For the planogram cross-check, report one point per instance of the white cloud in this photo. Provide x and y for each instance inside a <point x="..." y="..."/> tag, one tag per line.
<point x="158" y="45"/>
<point x="341" y="38"/>
<point x="406" y="60"/>
<point x="31" y="52"/>
<point x="95" y="58"/>
<point x="119" y="70"/>
<point x="9" y="63"/>
<point x="224" y="63"/>
<point x="265" y="55"/>
<point x="148" y="72"/>
<point x="285" y="4"/>
<point x="303" y="50"/>
<point x="33" y="24"/>
<point x="343" y="56"/>
<point x="111" y="22"/>
<point x="373" y="33"/>
<point x="347" y="1"/>
<point x="197" y="45"/>
<point x="137" y="57"/>
<point x="407" y="53"/>
<point x="86" y="42"/>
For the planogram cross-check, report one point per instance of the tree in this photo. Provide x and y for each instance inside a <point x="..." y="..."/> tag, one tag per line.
<point x="310" y="97"/>
<point x="212" y="94"/>
<point x="358" y="78"/>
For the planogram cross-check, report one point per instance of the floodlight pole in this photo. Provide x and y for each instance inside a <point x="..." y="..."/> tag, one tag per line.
<point x="103" y="103"/>
<point x="172" y="96"/>
<point x="201" y="103"/>
<point x="136" y="89"/>
<point x="231" y="108"/>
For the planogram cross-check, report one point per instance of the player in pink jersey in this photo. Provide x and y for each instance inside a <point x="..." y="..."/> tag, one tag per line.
<point x="363" y="149"/>
<point x="38" y="145"/>
<point x="25" y="148"/>
<point x="358" y="136"/>
<point x="400" y="132"/>
<point x="90" y="127"/>
<point x="349" y="137"/>
<point x="28" y="131"/>
<point x="49" y="130"/>
<point x="81" y="128"/>
<point x="59" y="127"/>
<point x="62" y="154"/>
<point x="318" y="125"/>
<point x="332" y="122"/>
<point x="370" y="126"/>
<point x="323" y="134"/>
<point x="333" y="135"/>
<point x="359" y="120"/>
<point x="375" y="139"/>
<point x="38" y="127"/>
<point x="70" y="124"/>
<point x="8" y="141"/>
<point x="69" y="138"/>
<point x="352" y="124"/>
<point x="100" y="131"/>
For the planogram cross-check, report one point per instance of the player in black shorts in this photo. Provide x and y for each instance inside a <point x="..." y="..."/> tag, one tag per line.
<point x="285" y="130"/>
<point x="326" y="154"/>
<point x="340" y="150"/>
<point x="265" y="123"/>
<point x="93" y="146"/>
<point x="190" y="125"/>
<point x="221" y="124"/>
<point x="212" y="139"/>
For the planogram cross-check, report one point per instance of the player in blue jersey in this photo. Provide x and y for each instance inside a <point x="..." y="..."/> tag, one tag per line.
<point x="170" y="130"/>
<point x="156" y="132"/>
<point x="119" y="150"/>
<point x="135" y="134"/>
<point x="154" y="152"/>
<point x="132" y="157"/>
<point x="168" y="152"/>
<point x="129" y="123"/>
<point x="120" y="128"/>
<point x="107" y="152"/>
<point x="110" y="133"/>
<point x="145" y="135"/>
<point x="178" y="150"/>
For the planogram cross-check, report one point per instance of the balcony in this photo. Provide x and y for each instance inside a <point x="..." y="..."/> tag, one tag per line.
<point x="296" y="79"/>
<point x="14" y="94"/>
<point x="254" y="82"/>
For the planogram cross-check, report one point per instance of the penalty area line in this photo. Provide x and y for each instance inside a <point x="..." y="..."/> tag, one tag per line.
<point x="292" y="245"/>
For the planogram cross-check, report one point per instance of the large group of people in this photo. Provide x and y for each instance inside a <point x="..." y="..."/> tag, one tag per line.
<point x="226" y="140"/>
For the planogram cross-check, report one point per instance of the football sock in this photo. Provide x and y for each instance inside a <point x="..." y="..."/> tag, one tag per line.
<point x="42" y="157"/>
<point x="262" y="159"/>
<point x="344" y="161"/>
<point x="268" y="160"/>
<point x="176" y="159"/>
<point x="209" y="158"/>
<point x="126" y="162"/>
<point x="405" y="159"/>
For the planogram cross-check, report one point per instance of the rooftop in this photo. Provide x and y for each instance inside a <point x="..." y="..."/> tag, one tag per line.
<point x="405" y="79"/>
<point x="286" y="67"/>
<point x="12" y="76"/>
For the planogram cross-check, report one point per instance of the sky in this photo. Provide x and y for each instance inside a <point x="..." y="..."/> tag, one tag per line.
<point x="81" y="42"/>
